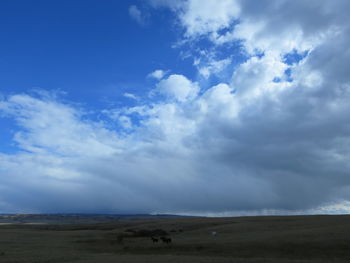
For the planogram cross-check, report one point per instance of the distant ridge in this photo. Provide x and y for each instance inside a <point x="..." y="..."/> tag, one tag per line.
<point x="76" y="218"/>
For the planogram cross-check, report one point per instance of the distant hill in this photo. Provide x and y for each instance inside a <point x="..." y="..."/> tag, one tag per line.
<point x="75" y="218"/>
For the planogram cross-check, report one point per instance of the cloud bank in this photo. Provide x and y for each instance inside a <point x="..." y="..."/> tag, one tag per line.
<point x="272" y="137"/>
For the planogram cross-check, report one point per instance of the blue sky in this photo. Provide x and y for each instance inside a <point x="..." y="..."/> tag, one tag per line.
<point x="88" y="49"/>
<point x="186" y="106"/>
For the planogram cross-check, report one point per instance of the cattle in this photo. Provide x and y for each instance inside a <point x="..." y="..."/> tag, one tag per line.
<point x="166" y="240"/>
<point x="154" y="240"/>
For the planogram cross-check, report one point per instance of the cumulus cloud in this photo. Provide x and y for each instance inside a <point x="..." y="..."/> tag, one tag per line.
<point x="251" y="145"/>
<point x="178" y="87"/>
<point x="201" y="18"/>
<point x="157" y="74"/>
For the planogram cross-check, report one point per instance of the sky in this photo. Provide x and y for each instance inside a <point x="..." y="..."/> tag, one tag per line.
<point x="215" y="107"/>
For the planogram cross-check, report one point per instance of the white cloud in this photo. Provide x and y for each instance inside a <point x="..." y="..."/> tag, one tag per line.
<point x="202" y="17"/>
<point x="214" y="67"/>
<point x="157" y="74"/>
<point x="255" y="77"/>
<point x="178" y="87"/>
<point x="46" y="119"/>
<point x="125" y="122"/>
<point x="131" y="96"/>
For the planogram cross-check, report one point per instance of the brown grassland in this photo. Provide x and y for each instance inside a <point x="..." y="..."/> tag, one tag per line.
<point x="240" y="239"/>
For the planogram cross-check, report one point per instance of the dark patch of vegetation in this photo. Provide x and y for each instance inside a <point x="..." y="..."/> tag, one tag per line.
<point x="149" y="232"/>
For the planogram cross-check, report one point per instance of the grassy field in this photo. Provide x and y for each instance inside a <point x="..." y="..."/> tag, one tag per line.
<point x="243" y="239"/>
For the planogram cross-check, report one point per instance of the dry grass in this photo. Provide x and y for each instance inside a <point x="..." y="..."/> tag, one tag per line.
<point x="246" y="239"/>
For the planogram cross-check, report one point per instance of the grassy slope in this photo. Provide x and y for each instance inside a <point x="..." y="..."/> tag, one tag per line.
<point x="245" y="239"/>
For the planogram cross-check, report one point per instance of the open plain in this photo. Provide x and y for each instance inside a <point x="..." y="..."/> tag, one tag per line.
<point x="193" y="239"/>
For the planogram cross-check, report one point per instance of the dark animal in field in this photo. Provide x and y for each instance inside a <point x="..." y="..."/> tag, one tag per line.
<point x="154" y="240"/>
<point x="149" y="233"/>
<point x="166" y="240"/>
